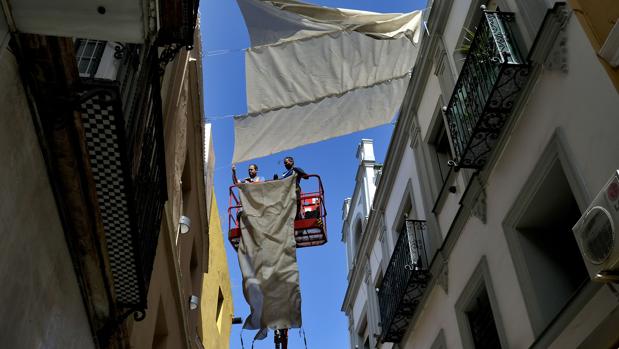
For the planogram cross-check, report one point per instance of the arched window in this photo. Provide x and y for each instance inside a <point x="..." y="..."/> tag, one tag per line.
<point x="357" y="234"/>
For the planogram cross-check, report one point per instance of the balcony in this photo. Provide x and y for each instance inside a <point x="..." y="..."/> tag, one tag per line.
<point x="404" y="282"/>
<point x="121" y="117"/>
<point x="491" y="80"/>
<point x="178" y="24"/>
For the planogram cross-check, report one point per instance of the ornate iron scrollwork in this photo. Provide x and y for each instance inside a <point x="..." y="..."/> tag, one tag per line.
<point x="486" y="92"/>
<point x="120" y="51"/>
<point x="169" y="53"/>
<point x="405" y="281"/>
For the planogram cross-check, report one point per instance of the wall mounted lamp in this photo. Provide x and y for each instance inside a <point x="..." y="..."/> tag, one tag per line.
<point x="194" y="301"/>
<point x="185" y="224"/>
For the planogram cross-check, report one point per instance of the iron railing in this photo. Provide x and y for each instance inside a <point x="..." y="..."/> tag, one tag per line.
<point x="404" y="282"/>
<point x="492" y="77"/>
<point x="124" y="140"/>
<point x="145" y="147"/>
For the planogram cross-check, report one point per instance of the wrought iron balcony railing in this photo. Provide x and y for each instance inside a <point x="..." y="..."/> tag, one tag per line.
<point x="404" y="282"/>
<point x="122" y="121"/>
<point x="491" y="80"/>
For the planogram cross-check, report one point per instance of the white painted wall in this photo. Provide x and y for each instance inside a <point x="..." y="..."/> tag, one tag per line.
<point x="359" y="306"/>
<point x="582" y="104"/>
<point x="407" y="172"/>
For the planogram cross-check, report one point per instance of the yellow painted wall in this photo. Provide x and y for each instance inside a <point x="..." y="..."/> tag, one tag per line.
<point x="597" y="17"/>
<point x="216" y="330"/>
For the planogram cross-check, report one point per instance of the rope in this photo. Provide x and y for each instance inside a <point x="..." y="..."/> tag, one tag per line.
<point x="222" y="52"/>
<point x="219" y="117"/>
<point x="242" y="344"/>
<point x="304" y="338"/>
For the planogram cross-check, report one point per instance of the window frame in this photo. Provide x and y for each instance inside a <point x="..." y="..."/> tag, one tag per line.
<point x="554" y="151"/>
<point x="94" y="59"/>
<point x="478" y="281"/>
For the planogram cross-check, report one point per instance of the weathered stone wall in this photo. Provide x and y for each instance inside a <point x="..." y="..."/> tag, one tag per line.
<point x="40" y="301"/>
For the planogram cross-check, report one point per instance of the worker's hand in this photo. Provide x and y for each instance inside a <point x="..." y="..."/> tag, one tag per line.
<point x="233" y="168"/>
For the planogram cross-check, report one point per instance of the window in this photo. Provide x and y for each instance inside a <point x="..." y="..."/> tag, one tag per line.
<point x="220" y="305"/>
<point x="441" y="152"/>
<point x="443" y="71"/>
<point x="362" y="334"/>
<point x="550" y="254"/>
<point x="406" y="212"/>
<point x="481" y="322"/>
<point x="374" y="316"/>
<point x="88" y="56"/>
<point x="550" y="269"/>
<point x="357" y="236"/>
<point x="476" y="311"/>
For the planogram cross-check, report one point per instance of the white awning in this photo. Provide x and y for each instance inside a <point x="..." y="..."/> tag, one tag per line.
<point x="315" y="73"/>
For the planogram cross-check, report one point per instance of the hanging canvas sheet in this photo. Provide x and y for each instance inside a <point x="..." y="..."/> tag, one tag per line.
<point x="315" y="73"/>
<point x="267" y="255"/>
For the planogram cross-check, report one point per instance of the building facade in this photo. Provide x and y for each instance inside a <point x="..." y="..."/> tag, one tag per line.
<point x="106" y="181"/>
<point x="503" y="142"/>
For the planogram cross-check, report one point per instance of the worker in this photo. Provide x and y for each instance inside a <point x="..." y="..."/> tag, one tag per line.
<point x="252" y="171"/>
<point x="290" y="169"/>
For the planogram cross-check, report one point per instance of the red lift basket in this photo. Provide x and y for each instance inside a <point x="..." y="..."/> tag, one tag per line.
<point x="310" y="227"/>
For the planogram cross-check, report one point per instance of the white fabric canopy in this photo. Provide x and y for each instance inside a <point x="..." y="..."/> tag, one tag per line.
<point x="314" y="73"/>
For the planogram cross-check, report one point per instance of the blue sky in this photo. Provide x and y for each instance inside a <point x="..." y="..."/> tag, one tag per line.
<point x="322" y="269"/>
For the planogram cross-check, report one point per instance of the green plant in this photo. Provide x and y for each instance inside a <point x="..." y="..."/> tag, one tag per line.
<point x="466" y="42"/>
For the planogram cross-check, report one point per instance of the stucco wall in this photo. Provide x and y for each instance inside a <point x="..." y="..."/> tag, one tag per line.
<point x="40" y="299"/>
<point x="581" y="106"/>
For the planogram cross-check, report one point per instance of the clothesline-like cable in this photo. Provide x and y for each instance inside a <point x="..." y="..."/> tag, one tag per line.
<point x="219" y="52"/>
<point x="219" y="117"/>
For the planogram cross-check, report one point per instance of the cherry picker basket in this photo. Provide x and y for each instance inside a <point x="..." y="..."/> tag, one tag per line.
<point x="310" y="225"/>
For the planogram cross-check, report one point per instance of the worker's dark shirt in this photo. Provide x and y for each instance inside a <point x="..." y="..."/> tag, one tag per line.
<point x="298" y="170"/>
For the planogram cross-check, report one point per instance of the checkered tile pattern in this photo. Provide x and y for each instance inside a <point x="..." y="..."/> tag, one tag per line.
<point x="102" y="145"/>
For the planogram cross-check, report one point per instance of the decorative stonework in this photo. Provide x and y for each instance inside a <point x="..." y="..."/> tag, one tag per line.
<point x="368" y="273"/>
<point x="442" y="277"/>
<point x="480" y="209"/>
<point x="557" y="58"/>
<point x="415" y="132"/>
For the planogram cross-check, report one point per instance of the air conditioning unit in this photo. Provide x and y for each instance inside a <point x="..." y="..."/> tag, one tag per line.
<point x="597" y="233"/>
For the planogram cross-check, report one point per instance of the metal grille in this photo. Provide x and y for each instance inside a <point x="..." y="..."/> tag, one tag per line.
<point x="144" y="140"/>
<point x="491" y="80"/>
<point x="404" y="282"/>
<point x="481" y="322"/>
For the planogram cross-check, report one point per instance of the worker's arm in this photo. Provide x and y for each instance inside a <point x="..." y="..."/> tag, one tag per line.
<point x="300" y="172"/>
<point x="234" y="179"/>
